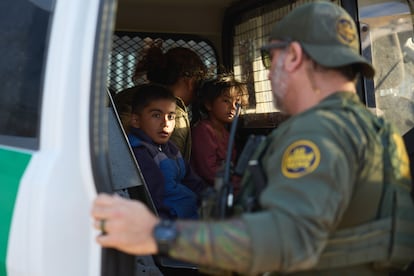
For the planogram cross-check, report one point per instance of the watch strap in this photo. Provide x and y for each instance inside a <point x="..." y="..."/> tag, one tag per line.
<point x="165" y="234"/>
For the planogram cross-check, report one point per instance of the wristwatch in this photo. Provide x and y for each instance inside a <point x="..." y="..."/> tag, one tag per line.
<point x="165" y="234"/>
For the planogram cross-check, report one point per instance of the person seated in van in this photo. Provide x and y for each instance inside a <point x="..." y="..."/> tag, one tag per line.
<point x="210" y="136"/>
<point x="181" y="70"/>
<point x="123" y="98"/>
<point x="123" y="104"/>
<point x="173" y="185"/>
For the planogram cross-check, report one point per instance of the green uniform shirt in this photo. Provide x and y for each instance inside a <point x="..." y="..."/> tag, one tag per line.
<point x="324" y="171"/>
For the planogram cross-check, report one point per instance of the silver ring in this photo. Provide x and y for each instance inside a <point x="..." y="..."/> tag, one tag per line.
<point x="102" y="225"/>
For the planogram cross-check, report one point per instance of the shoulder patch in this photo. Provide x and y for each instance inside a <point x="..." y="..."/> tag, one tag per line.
<point x="401" y="156"/>
<point x="300" y="158"/>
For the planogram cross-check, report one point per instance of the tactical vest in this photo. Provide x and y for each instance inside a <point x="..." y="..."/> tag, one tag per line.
<point x="387" y="242"/>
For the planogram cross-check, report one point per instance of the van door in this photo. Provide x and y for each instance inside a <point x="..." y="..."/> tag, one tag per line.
<point x="23" y="29"/>
<point x="53" y="130"/>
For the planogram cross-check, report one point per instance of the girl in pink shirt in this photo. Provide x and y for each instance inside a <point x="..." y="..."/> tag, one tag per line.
<point x="210" y="136"/>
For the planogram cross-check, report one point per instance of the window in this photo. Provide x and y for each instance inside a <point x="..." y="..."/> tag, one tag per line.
<point x="251" y="31"/>
<point x="127" y="47"/>
<point x="24" y="29"/>
<point x="387" y="40"/>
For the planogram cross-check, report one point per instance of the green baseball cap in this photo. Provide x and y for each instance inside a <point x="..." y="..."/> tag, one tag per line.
<point x="326" y="32"/>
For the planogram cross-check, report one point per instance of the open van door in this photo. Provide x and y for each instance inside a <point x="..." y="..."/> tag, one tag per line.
<point x="54" y="137"/>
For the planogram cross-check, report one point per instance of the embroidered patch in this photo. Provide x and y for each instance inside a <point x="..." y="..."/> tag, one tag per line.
<point x="346" y="31"/>
<point x="300" y="158"/>
<point x="401" y="156"/>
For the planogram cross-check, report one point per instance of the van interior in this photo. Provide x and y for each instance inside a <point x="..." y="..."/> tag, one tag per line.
<point x="229" y="33"/>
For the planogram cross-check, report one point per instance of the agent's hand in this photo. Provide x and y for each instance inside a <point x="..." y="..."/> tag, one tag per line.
<point x="126" y="224"/>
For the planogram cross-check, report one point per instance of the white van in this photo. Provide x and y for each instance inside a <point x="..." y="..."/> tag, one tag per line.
<point x="61" y="142"/>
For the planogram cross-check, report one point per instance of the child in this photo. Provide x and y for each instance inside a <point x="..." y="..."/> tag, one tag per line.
<point x="181" y="70"/>
<point x="173" y="186"/>
<point x="218" y="98"/>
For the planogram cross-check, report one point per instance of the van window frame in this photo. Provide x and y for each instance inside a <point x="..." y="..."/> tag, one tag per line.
<point x="113" y="262"/>
<point x="235" y="14"/>
<point x="22" y="88"/>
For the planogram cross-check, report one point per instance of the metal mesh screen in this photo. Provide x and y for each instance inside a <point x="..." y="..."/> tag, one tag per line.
<point x="128" y="46"/>
<point x="250" y="34"/>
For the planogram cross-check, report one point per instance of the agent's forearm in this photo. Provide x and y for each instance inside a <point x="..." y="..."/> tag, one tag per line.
<point x="224" y="245"/>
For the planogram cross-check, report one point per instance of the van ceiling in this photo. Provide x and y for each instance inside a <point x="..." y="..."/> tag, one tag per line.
<point x="200" y="17"/>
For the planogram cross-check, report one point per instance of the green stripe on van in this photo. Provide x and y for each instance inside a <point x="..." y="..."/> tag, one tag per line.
<point x="12" y="167"/>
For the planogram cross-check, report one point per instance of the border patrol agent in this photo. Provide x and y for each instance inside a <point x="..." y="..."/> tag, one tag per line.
<point x="333" y="181"/>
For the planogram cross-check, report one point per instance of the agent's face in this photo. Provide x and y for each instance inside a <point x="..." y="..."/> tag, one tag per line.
<point x="223" y="108"/>
<point x="157" y="120"/>
<point x="278" y="78"/>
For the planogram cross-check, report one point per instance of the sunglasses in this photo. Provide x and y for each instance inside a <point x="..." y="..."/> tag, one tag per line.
<point x="266" y="49"/>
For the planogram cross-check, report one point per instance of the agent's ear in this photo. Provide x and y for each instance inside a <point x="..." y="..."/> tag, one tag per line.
<point x="208" y="105"/>
<point x="135" y="120"/>
<point x="190" y="82"/>
<point x="295" y="56"/>
<point x="187" y="92"/>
